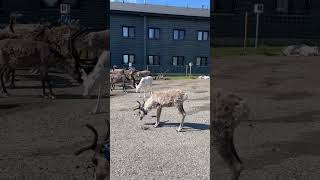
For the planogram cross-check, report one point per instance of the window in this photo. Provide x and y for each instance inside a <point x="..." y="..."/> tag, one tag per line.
<point x="128" y="31"/>
<point x="49" y="4"/>
<point x="201" y="61"/>
<point x="282" y="6"/>
<point x="293" y="7"/>
<point x="128" y="58"/>
<point x="154" y="60"/>
<point x="178" y="34"/>
<point x="177" y="60"/>
<point x="154" y="33"/>
<point x="202" y="35"/>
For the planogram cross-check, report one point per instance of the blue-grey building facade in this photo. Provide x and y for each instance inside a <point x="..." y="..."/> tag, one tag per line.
<point x="159" y="38"/>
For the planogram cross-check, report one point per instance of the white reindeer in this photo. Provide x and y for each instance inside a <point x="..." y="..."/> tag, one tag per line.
<point x="160" y="99"/>
<point x="96" y="77"/>
<point x="145" y="82"/>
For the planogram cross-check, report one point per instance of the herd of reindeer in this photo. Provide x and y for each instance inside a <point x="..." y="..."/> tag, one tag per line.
<point x="43" y="46"/>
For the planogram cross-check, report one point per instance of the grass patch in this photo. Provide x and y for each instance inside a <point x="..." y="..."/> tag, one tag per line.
<point x="180" y="76"/>
<point x="240" y="51"/>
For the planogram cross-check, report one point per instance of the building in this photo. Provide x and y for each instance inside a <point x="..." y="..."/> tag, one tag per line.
<point x="91" y="13"/>
<point x="159" y="38"/>
<point x="283" y="22"/>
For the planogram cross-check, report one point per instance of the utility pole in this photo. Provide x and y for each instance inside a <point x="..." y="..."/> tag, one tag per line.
<point x="245" y="31"/>
<point x="258" y="9"/>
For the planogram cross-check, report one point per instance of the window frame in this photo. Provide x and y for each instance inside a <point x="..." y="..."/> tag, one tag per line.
<point x="75" y="6"/>
<point x="134" y="60"/>
<point x="154" y="33"/>
<point x="202" y="37"/>
<point x="151" y="55"/>
<point x="183" y="58"/>
<point x="179" y="34"/>
<point x="201" y="60"/>
<point x="129" y="27"/>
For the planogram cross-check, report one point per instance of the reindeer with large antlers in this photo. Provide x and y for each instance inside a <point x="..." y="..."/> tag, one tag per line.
<point x="160" y="99"/>
<point x="101" y="157"/>
<point x="228" y="111"/>
<point x="16" y="53"/>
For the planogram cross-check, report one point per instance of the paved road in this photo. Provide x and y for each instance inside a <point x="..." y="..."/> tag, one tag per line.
<point x="284" y="95"/>
<point x="38" y="137"/>
<point x="161" y="153"/>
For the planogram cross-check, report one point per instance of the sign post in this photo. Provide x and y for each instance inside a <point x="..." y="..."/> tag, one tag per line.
<point x="186" y="71"/>
<point x="190" y="65"/>
<point x="258" y="9"/>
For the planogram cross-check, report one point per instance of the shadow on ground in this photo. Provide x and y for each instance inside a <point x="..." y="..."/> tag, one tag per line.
<point x="186" y="126"/>
<point x="276" y="152"/>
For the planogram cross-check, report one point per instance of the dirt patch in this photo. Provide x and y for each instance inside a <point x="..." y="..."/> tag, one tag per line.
<point x="294" y="95"/>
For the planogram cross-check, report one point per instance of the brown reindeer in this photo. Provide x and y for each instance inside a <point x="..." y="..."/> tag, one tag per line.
<point x="228" y="110"/>
<point x="15" y="53"/>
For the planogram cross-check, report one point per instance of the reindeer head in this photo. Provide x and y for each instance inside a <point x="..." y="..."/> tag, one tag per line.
<point x="142" y="111"/>
<point x="99" y="160"/>
<point x="230" y="107"/>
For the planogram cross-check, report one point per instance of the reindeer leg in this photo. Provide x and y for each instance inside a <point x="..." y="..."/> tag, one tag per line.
<point x="43" y="83"/>
<point x="98" y="105"/>
<point x="51" y="95"/>
<point x="223" y="141"/>
<point x="158" y="116"/>
<point x="183" y="113"/>
<point x="4" y="89"/>
<point x="12" y="84"/>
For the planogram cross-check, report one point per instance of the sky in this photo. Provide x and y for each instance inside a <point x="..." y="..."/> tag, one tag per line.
<point x="181" y="3"/>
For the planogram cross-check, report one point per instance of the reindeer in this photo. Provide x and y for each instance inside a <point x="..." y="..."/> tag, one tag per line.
<point x="228" y="110"/>
<point x="96" y="77"/>
<point x="56" y="36"/>
<point x="160" y="99"/>
<point x="101" y="157"/>
<point x="119" y="78"/>
<point x="16" y="53"/>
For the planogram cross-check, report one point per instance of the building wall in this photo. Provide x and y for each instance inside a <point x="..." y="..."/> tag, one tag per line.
<point x="294" y="27"/>
<point x="91" y="13"/>
<point x="165" y="47"/>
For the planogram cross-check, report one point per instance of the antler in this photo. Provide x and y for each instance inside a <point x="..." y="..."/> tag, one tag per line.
<point x="94" y="143"/>
<point x="137" y="107"/>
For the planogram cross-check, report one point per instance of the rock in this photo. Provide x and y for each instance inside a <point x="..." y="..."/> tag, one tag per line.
<point x="301" y="50"/>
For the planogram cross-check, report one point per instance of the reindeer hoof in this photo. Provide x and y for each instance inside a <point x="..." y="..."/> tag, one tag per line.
<point x="94" y="112"/>
<point x="156" y="125"/>
<point x="179" y="129"/>
<point x="6" y="94"/>
<point x="12" y="86"/>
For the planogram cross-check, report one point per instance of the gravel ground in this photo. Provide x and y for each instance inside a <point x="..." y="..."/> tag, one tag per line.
<point x="161" y="153"/>
<point x="283" y="93"/>
<point x="38" y="136"/>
